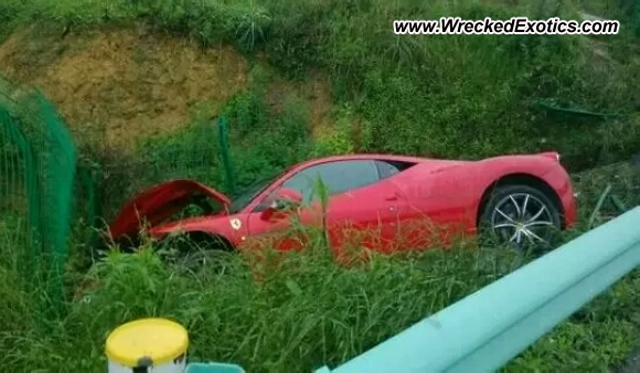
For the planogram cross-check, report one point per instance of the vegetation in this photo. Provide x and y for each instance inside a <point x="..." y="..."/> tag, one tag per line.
<point x="306" y="310"/>
<point x="444" y="96"/>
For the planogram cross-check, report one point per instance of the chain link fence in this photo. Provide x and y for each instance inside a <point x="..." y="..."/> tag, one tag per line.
<point x="37" y="182"/>
<point x="55" y="194"/>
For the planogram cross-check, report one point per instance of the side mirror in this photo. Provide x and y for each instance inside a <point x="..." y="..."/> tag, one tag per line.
<point x="283" y="201"/>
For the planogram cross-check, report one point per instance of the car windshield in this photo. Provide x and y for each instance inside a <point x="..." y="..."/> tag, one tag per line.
<point x="246" y="195"/>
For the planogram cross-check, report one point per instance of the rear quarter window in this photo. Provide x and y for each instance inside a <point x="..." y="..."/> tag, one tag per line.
<point x="388" y="169"/>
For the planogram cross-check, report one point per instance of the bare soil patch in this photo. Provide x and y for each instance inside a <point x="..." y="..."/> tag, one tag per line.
<point x="115" y="86"/>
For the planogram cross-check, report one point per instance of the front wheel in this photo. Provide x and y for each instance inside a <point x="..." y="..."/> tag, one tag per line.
<point x="196" y="251"/>
<point x="521" y="216"/>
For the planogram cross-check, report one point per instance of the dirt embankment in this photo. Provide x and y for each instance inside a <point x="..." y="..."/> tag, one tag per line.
<point x="115" y="86"/>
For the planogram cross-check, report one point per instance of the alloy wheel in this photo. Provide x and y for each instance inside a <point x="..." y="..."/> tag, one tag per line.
<point x="523" y="220"/>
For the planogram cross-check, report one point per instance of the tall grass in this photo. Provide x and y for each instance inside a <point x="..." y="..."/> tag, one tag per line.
<point x="308" y="312"/>
<point x="302" y="312"/>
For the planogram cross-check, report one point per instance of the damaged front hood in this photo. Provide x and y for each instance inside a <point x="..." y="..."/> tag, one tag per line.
<point x="160" y="202"/>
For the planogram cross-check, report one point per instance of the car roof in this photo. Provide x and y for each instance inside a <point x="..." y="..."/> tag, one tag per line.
<point x="353" y="157"/>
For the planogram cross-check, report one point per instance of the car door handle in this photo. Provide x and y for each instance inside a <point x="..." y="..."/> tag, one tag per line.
<point x="393" y="197"/>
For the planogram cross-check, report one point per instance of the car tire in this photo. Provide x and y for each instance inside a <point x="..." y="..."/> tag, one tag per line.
<point x="195" y="251"/>
<point x="521" y="216"/>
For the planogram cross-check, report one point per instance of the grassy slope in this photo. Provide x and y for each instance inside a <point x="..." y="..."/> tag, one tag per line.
<point x="436" y="87"/>
<point x="312" y="312"/>
<point x="444" y="96"/>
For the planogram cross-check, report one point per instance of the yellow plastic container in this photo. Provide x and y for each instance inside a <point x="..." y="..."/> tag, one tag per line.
<point x="158" y="343"/>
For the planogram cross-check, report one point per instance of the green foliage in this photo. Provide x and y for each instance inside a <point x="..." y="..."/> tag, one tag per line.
<point x="314" y="311"/>
<point x="265" y="140"/>
<point x="441" y="95"/>
<point x="624" y="182"/>
<point x="192" y="153"/>
<point x="10" y="11"/>
<point x="447" y="96"/>
<point x="592" y="347"/>
<point x="339" y="139"/>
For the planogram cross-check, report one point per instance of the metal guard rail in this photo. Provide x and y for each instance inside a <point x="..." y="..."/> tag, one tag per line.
<point x="485" y="330"/>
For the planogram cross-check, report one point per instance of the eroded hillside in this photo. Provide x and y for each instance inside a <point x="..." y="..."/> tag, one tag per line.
<point x="129" y="83"/>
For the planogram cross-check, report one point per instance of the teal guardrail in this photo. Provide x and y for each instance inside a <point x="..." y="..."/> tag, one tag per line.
<point x="485" y="330"/>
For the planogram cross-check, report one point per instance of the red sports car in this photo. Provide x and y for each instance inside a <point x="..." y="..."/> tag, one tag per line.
<point x="386" y="202"/>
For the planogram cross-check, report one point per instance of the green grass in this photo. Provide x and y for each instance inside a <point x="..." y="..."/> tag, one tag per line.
<point x="454" y="96"/>
<point x="445" y="96"/>
<point x="307" y="311"/>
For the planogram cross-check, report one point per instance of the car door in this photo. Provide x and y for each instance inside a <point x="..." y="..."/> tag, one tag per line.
<point x="362" y="206"/>
<point x="361" y="209"/>
<point x="436" y="210"/>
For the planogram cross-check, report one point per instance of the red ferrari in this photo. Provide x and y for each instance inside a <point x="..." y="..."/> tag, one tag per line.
<point x="385" y="202"/>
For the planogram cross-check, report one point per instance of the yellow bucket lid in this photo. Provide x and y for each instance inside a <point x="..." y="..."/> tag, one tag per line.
<point x="156" y="341"/>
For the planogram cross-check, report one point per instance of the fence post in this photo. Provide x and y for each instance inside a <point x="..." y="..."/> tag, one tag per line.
<point x="146" y="345"/>
<point x="223" y="128"/>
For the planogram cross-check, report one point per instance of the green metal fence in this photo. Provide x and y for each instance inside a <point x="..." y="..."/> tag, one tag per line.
<point x="46" y="189"/>
<point x="200" y="150"/>
<point x="37" y="173"/>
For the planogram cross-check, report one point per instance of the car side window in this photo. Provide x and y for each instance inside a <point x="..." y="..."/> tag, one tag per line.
<point x="386" y="169"/>
<point x="338" y="177"/>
